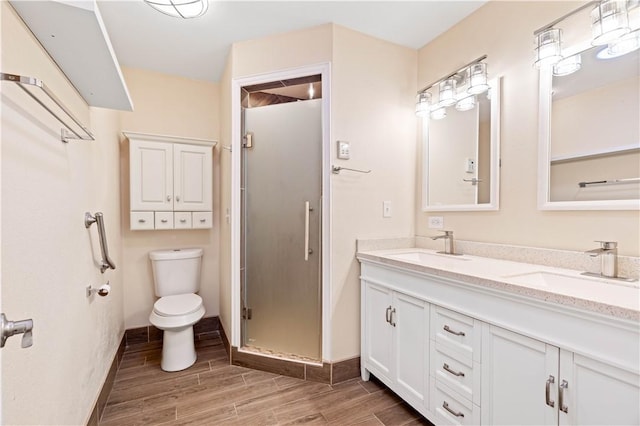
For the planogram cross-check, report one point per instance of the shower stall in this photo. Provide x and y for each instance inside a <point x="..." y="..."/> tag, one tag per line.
<point x="281" y="223"/>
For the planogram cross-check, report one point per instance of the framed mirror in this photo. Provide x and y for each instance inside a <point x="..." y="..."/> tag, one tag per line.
<point x="461" y="157"/>
<point x="589" y="134"/>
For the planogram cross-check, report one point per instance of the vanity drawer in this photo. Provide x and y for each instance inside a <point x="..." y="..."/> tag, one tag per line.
<point x="141" y="220"/>
<point x="461" y="374"/>
<point x="451" y="409"/>
<point x="202" y="220"/>
<point x="457" y="331"/>
<point x="182" y="220"/>
<point x="164" y="220"/>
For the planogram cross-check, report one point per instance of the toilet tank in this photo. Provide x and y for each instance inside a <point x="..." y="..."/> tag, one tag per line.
<point x="176" y="271"/>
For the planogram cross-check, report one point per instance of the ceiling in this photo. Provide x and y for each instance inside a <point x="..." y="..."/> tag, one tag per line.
<point x="197" y="48"/>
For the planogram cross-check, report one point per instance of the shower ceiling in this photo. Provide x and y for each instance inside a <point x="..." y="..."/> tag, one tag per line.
<point x="198" y="48"/>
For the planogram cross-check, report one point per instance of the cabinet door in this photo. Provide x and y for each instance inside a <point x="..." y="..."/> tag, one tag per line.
<point x="595" y="393"/>
<point x="378" y="331"/>
<point x="151" y="177"/>
<point x="411" y="322"/>
<point x="192" y="177"/>
<point x="515" y="372"/>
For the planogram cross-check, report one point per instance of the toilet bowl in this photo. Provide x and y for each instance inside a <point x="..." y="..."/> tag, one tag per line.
<point x="176" y="276"/>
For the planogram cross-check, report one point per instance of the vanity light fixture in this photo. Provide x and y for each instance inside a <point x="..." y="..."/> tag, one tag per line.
<point x="568" y="65"/>
<point x="625" y="45"/>
<point x="458" y="88"/>
<point x="609" y="21"/>
<point x="447" y="94"/>
<point x="548" y="47"/>
<point x="423" y="104"/>
<point x="180" y="8"/>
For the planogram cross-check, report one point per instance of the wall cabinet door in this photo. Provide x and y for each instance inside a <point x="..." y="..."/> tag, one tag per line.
<point x="411" y="322"/>
<point x="517" y="371"/>
<point x="378" y="331"/>
<point x="151" y="176"/>
<point x="192" y="184"/>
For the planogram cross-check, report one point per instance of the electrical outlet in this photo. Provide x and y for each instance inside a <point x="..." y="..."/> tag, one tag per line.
<point x="436" y="222"/>
<point x="344" y="150"/>
<point x="386" y="209"/>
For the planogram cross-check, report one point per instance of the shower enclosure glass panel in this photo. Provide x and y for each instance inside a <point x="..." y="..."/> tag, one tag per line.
<point x="281" y="259"/>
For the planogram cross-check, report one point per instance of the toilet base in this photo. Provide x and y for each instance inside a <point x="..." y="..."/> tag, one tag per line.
<point x="178" y="349"/>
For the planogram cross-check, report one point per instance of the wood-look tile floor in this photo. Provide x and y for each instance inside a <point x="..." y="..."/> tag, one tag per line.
<point x="212" y="392"/>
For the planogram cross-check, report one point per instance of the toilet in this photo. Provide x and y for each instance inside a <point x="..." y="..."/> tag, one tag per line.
<point x="176" y="277"/>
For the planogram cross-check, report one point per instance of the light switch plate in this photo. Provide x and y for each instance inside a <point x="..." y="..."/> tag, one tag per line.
<point x="344" y="150"/>
<point x="386" y="209"/>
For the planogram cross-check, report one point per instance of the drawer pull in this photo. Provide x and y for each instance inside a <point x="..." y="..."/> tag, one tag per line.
<point x="547" y="392"/>
<point x="163" y="220"/>
<point x="388" y="315"/>
<point x="392" y="321"/>
<point x="457" y="333"/>
<point x="141" y="221"/>
<point x="563" y="407"/>
<point x="203" y="220"/>
<point x="455" y="373"/>
<point x="183" y="220"/>
<point x="445" y="405"/>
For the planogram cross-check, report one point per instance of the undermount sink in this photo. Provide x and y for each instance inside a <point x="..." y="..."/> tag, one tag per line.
<point x="574" y="284"/>
<point x="424" y="257"/>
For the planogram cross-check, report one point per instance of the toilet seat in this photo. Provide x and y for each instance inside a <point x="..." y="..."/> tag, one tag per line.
<point x="179" y="304"/>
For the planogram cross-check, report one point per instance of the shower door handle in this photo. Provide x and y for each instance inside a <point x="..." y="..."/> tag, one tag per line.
<point x="306" y="231"/>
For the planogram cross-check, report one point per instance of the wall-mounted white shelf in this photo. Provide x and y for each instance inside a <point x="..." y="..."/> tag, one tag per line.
<point x="588" y="155"/>
<point x="74" y="35"/>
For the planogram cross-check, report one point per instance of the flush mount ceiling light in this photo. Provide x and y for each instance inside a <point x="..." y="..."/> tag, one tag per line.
<point x="548" y="47"/>
<point x="568" y="65"/>
<point x="423" y="101"/>
<point x="609" y="21"/>
<point x="180" y="8"/>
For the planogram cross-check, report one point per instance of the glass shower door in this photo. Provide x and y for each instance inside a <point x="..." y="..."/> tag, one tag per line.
<point x="281" y="265"/>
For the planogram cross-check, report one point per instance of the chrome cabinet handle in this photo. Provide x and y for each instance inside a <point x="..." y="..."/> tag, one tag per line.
<point x="163" y="220"/>
<point x="547" y="392"/>
<point x="388" y="315"/>
<point x="457" y="333"/>
<point x="392" y="322"/>
<point x="564" y="385"/>
<point x="183" y="220"/>
<point x="168" y="197"/>
<point x="445" y="405"/>
<point x="141" y="221"/>
<point x="455" y="373"/>
<point x="203" y="220"/>
<point x="177" y="198"/>
<point x="306" y="230"/>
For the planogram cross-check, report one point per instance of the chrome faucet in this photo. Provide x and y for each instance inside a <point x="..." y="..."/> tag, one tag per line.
<point x="608" y="253"/>
<point x="448" y="242"/>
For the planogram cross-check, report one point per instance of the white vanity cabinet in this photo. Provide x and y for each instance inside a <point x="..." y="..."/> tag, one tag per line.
<point x="397" y="339"/>
<point x="477" y="355"/>
<point x="170" y="182"/>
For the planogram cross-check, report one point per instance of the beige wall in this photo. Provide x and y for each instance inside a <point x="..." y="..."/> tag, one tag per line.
<point x="508" y="44"/>
<point x="372" y="90"/>
<point x="48" y="257"/>
<point x="168" y="105"/>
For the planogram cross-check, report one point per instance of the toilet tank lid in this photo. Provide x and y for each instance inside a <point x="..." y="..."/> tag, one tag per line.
<point x="185" y="253"/>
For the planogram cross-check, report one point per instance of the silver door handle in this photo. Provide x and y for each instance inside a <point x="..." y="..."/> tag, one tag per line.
<point x="391" y="320"/>
<point x="10" y="328"/>
<point x="306" y="230"/>
<point x="388" y="315"/>
<point x="445" y="405"/>
<point x="455" y="373"/>
<point x="564" y="385"/>
<point x="547" y="392"/>
<point x="448" y="330"/>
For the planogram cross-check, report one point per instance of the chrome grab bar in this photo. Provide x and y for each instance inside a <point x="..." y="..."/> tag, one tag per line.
<point x="306" y="230"/>
<point x="106" y="261"/>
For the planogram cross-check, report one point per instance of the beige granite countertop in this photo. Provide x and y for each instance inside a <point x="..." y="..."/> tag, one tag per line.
<point x="554" y="285"/>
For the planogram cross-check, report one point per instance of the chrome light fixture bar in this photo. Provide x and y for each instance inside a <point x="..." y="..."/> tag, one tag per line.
<point x="180" y="8"/>
<point x="458" y="88"/>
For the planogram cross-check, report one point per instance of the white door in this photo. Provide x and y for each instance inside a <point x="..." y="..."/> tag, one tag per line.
<point x="378" y="330"/>
<point x="516" y="373"/>
<point x="151" y="175"/>
<point x="595" y="393"/>
<point x="192" y="185"/>
<point x="411" y="322"/>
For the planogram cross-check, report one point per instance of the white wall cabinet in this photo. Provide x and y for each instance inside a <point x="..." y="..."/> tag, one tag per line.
<point x="472" y="356"/>
<point x="172" y="178"/>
